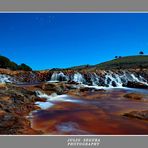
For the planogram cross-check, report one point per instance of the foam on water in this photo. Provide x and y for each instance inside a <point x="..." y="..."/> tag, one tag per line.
<point x="44" y="105"/>
<point x="101" y="87"/>
<point x="53" y="98"/>
<point x="95" y="87"/>
<point x="53" y="81"/>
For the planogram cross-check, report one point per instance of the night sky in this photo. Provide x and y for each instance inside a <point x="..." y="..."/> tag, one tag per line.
<point x="60" y="40"/>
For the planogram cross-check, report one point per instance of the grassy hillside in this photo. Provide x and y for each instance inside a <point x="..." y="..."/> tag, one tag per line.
<point x="140" y="61"/>
<point x="129" y="62"/>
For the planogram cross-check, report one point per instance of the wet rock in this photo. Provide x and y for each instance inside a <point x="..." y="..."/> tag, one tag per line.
<point x="2" y="113"/>
<point x="19" y="89"/>
<point x="58" y="88"/>
<point x="136" y="85"/>
<point x="87" y="77"/>
<point x="72" y="82"/>
<point x="40" y="99"/>
<point x="72" y="86"/>
<point x="15" y="104"/>
<point x="143" y="115"/>
<point x="7" y="121"/>
<point x="134" y="96"/>
<point x="11" y="124"/>
<point x="3" y="86"/>
<point x="114" y="84"/>
<point x="74" y="92"/>
<point x="83" y="89"/>
<point x="36" y="107"/>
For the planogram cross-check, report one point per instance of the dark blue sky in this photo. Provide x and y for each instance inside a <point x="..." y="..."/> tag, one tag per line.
<point x="62" y="40"/>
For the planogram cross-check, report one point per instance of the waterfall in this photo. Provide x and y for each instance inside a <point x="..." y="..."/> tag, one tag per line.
<point x="140" y="79"/>
<point x="58" y="77"/>
<point x="95" y="79"/>
<point x="79" y="78"/>
<point x="5" y="78"/>
<point x="117" y="80"/>
<point x="113" y="80"/>
<point x="106" y="78"/>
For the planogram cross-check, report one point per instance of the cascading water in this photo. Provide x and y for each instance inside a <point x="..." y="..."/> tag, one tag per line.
<point x="113" y="80"/>
<point x="95" y="79"/>
<point x="108" y="78"/>
<point x="58" y="77"/>
<point x="5" y="78"/>
<point x="140" y="79"/>
<point x="79" y="78"/>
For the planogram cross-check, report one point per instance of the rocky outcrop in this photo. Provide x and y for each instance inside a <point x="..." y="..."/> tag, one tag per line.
<point x="114" y="78"/>
<point x="143" y="115"/>
<point x="15" y="105"/>
<point x="12" y="124"/>
<point x="136" y="85"/>
<point x="32" y="77"/>
<point x="20" y="76"/>
<point x="133" y="78"/>
<point x="58" y="88"/>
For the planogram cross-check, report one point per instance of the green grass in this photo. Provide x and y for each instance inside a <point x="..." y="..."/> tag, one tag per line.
<point x="129" y="62"/>
<point x="140" y="61"/>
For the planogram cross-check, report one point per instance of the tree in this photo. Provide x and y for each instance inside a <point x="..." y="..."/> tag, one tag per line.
<point x="141" y="53"/>
<point x="116" y="57"/>
<point x="24" y="67"/>
<point x="13" y="66"/>
<point x="7" y="64"/>
<point x="4" y="62"/>
<point x="87" y="65"/>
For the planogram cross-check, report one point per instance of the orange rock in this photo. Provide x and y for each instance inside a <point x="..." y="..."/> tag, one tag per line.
<point x="3" y="86"/>
<point x="40" y="99"/>
<point x="134" y="96"/>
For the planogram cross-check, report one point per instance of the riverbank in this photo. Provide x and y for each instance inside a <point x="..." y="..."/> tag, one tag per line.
<point x="15" y="105"/>
<point x="55" y="106"/>
<point x="60" y="108"/>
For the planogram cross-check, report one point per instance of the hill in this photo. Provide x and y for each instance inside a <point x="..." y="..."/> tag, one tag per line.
<point x="128" y="62"/>
<point x="8" y="64"/>
<point x="140" y="61"/>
